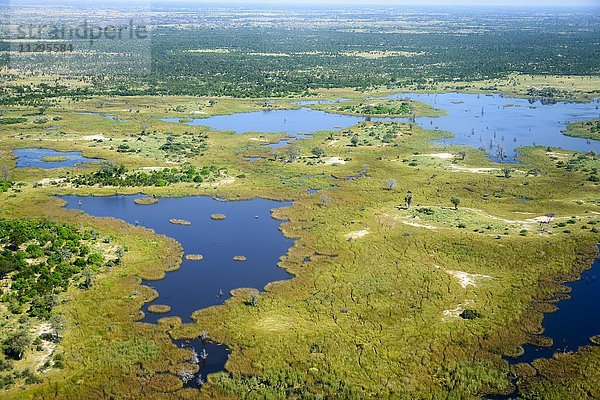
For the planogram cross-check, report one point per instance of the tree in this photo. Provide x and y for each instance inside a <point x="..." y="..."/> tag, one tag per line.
<point x="318" y="152"/>
<point x="5" y="172"/>
<point x="292" y="153"/>
<point x="506" y="171"/>
<point x="390" y="184"/>
<point x="462" y="154"/>
<point x="87" y="278"/>
<point x="253" y="301"/>
<point x="354" y="140"/>
<point x="16" y="344"/>
<point x="455" y="201"/>
<point x="57" y="325"/>
<point x="408" y="199"/>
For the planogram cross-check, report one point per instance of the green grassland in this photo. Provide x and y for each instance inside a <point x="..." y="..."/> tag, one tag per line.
<point x="585" y="129"/>
<point x="375" y="311"/>
<point x="382" y="108"/>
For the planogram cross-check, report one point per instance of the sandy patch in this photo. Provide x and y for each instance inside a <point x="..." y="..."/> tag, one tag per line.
<point x="560" y="155"/>
<point x="443" y="156"/>
<point x="540" y="220"/>
<point x="49" y="181"/>
<point x="47" y="347"/>
<point x="225" y="181"/>
<point x="152" y="168"/>
<point x="465" y="279"/>
<point x="333" y="160"/>
<point x="417" y="225"/>
<point x="455" y="312"/>
<point x="216" y="51"/>
<point x="94" y="137"/>
<point x="357" y="234"/>
<point x="380" y="54"/>
<point x="458" y="168"/>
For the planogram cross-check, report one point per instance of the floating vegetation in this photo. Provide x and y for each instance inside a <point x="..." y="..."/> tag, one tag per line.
<point x="239" y="258"/>
<point x="194" y="257"/>
<point x="144" y="201"/>
<point x="179" y="221"/>
<point x="54" y="159"/>
<point x="218" y="217"/>
<point x="159" y="308"/>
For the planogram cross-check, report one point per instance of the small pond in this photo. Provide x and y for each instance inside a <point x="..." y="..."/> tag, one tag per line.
<point x="34" y="158"/>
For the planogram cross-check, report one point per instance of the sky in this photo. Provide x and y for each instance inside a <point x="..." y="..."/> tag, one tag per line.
<point x="478" y="3"/>
<point x="518" y="3"/>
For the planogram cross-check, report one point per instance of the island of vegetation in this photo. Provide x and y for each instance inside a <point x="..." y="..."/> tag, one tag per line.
<point x="176" y="221"/>
<point x="382" y="108"/>
<point x="589" y="129"/>
<point x="54" y="159"/>
<point x="159" y="308"/>
<point x="145" y="201"/>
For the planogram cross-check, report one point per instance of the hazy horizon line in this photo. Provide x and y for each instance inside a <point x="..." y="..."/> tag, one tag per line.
<point x="322" y="3"/>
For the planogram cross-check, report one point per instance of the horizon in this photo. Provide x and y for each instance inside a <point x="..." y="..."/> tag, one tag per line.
<point x="561" y="4"/>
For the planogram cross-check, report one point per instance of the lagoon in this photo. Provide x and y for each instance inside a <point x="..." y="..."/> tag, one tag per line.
<point x="495" y="124"/>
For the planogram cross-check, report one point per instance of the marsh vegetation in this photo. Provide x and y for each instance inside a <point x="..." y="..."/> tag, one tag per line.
<point x="418" y="235"/>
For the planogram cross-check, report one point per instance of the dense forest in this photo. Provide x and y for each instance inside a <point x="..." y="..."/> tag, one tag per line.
<point x="258" y="61"/>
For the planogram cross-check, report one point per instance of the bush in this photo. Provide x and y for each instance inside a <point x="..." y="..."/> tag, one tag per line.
<point x="470" y="314"/>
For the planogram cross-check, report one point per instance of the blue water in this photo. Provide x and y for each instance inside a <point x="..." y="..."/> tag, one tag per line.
<point x="292" y="122"/>
<point x="496" y="124"/>
<point x="576" y="320"/>
<point x="32" y="158"/>
<point x="196" y="284"/>
<point x="570" y="327"/>
<point x="217" y="355"/>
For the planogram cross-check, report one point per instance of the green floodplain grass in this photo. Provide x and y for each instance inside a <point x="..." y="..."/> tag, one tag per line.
<point x="373" y="313"/>
<point x="589" y="129"/>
